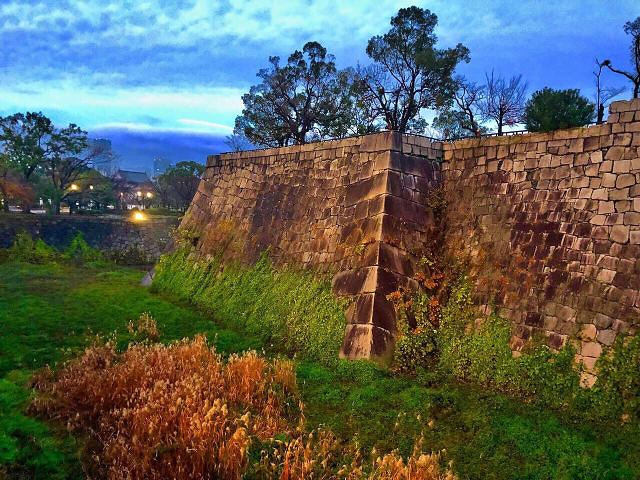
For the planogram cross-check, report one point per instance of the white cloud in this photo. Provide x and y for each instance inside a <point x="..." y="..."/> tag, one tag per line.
<point x="207" y="125"/>
<point x="89" y="107"/>
<point x="145" y="127"/>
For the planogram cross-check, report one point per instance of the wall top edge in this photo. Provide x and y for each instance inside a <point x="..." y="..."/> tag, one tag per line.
<point x="374" y="142"/>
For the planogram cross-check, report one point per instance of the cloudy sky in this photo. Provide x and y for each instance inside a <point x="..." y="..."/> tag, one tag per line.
<point x="165" y="78"/>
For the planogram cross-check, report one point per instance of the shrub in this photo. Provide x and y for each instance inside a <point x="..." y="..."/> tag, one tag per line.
<point x="292" y="310"/>
<point x="145" y="328"/>
<point x="616" y="393"/>
<point x="481" y="353"/>
<point x="26" y="249"/>
<point x="416" y="346"/>
<point x="176" y="411"/>
<point x="80" y="251"/>
<point x="180" y="411"/>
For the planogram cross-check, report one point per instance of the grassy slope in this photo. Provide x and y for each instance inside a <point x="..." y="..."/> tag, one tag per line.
<point x="48" y="312"/>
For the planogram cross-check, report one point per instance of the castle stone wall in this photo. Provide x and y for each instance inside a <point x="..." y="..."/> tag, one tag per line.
<point x="550" y="223"/>
<point x="117" y="237"/>
<point x="354" y="208"/>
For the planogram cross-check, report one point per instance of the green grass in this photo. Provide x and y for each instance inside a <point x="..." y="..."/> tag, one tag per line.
<point x="291" y="309"/>
<point x="49" y="312"/>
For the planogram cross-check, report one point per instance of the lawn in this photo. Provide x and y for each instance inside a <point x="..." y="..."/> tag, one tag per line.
<point x="52" y="311"/>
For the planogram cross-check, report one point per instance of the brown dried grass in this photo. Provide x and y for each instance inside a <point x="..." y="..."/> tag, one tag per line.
<point x="176" y="411"/>
<point x="320" y="456"/>
<point x="180" y="411"/>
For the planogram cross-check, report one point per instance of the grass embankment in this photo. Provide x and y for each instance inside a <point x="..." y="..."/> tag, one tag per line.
<point x="50" y="312"/>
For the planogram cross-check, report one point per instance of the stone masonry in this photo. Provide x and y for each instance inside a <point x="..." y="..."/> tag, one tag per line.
<point x="550" y="223"/>
<point x="113" y="235"/>
<point x="354" y="208"/>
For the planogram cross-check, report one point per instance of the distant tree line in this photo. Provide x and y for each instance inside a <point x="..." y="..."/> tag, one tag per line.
<point x="308" y="98"/>
<point x="56" y="164"/>
<point x="39" y="159"/>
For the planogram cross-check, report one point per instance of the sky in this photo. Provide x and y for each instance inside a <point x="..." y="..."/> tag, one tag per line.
<point x="163" y="78"/>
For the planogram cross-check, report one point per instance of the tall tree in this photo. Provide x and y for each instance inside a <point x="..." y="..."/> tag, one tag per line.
<point x="35" y="146"/>
<point x="293" y="102"/>
<point x="504" y="100"/>
<point x="603" y="94"/>
<point x="550" y="109"/>
<point x="25" y="139"/>
<point x="410" y="73"/>
<point x="463" y="117"/>
<point x="68" y="156"/>
<point x="355" y="114"/>
<point x="180" y="183"/>
<point x="631" y="28"/>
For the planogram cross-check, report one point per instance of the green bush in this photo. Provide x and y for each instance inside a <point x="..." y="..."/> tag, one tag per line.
<point x="26" y="249"/>
<point x="481" y="354"/>
<point x="616" y="393"/>
<point x="80" y="251"/>
<point x="291" y="310"/>
<point x="416" y="347"/>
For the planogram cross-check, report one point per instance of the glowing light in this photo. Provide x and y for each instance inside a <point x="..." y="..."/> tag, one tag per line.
<point x="139" y="193"/>
<point x="74" y="187"/>
<point x="90" y="187"/>
<point x="138" y="217"/>
<point x="149" y="195"/>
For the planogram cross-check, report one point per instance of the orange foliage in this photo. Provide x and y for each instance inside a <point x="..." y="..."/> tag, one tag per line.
<point x="180" y="411"/>
<point x="176" y="411"/>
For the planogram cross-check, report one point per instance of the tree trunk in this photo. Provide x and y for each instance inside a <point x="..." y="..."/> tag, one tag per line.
<point x="600" y="113"/>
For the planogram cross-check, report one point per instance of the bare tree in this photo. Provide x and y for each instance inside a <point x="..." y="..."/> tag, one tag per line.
<point x="237" y="142"/>
<point x="633" y="29"/>
<point x="69" y="157"/>
<point x="603" y="94"/>
<point x="504" y="100"/>
<point x="463" y="117"/>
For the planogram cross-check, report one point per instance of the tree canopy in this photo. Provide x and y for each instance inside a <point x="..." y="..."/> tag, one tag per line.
<point x="550" y="109"/>
<point x="179" y="183"/>
<point x="293" y="103"/>
<point x="33" y="145"/>
<point x="410" y="73"/>
<point x="463" y="117"/>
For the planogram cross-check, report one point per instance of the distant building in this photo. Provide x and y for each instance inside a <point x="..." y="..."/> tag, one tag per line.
<point x="134" y="189"/>
<point x="104" y="160"/>
<point x="160" y="165"/>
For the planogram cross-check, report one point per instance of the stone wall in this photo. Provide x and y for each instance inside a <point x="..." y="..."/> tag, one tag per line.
<point x="115" y="236"/>
<point x="550" y="224"/>
<point x="354" y="208"/>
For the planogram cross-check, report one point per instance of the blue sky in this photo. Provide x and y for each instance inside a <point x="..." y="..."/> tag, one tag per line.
<point x="165" y="78"/>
